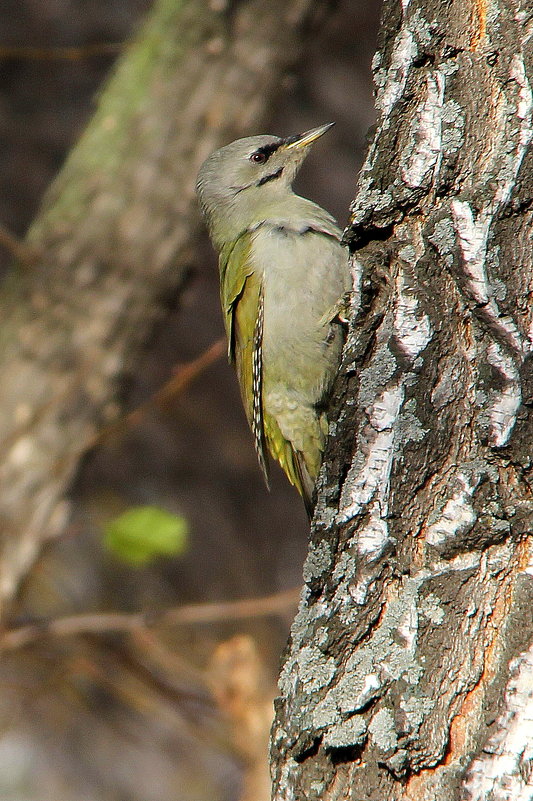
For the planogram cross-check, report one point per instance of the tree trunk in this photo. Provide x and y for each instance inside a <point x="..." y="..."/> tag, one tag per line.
<point x="114" y="240"/>
<point x="409" y="673"/>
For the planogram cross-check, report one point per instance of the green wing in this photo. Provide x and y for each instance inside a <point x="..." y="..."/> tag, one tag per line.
<point x="241" y="294"/>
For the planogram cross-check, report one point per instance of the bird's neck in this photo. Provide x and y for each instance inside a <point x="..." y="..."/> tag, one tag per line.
<point x="255" y="206"/>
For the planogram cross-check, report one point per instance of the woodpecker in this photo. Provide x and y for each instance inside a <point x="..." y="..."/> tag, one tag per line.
<point x="283" y="274"/>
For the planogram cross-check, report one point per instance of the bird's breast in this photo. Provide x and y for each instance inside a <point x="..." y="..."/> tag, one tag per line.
<point x="304" y="273"/>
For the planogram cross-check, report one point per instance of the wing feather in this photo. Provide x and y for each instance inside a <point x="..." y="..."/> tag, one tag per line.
<point x="242" y="304"/>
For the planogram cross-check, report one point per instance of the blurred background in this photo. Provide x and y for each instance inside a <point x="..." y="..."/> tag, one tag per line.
<point x="172" y="711"/>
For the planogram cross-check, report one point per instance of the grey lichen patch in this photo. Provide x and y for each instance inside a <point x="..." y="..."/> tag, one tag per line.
<point x="408" y="254"/>
<point x="347" y="606"/>
<point x="357" y="687"/>
<point x="343" y="567"/>
<point x="318" y="560"/>
<point x="416" y="709"/>
<point x="306" y="620"/>
<point x="389" y="654"/>
<point x="393" y="647"/>
<point x="422" y="29"/>
<point x="314" y="669"/>
<point x="374" y="377"/>
<point x="408" y="427"/>
<point x="499" y="289"/>
<point x="383" y="731"/>
<point x="449" y="66"/>
<point x="444" y="240"/>
<point x="431" y="608"/>
<point x="453" y="129"/>
<point x="375" y="199"/>
<point x="326" y="712"/>
<point x="321" y="636"/>
<point x="348" y="733"/>
<point x="318" y="787"/>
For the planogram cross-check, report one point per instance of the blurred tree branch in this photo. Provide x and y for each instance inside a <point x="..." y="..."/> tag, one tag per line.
<point x="182" y="378"/>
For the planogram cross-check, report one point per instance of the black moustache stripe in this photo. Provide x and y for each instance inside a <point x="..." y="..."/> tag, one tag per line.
<point x="266" y="178"/>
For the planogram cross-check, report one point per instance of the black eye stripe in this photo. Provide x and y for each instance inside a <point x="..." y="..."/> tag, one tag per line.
<point x="266" y="150"/>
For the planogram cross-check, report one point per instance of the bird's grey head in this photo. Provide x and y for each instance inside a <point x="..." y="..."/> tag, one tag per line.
<point x="245" y="178"/>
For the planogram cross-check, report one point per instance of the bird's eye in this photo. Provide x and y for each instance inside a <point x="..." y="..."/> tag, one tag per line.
<point x="258" y="157"/>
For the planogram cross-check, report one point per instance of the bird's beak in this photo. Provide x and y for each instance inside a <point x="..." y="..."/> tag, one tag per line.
<point x="303" y="140"/>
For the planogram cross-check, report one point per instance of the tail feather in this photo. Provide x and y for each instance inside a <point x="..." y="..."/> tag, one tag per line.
<point x="306" y="484"/>
<point x="294" y="463"/>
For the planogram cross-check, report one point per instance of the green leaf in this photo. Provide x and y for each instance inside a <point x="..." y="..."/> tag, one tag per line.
<point x="143" y="533"/>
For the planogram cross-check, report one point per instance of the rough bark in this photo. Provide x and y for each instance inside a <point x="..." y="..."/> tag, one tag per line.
<point x="114" y="240"/>
<point x="409" y="671"/>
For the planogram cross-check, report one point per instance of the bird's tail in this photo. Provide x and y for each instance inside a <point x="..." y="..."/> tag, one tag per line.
<point x="300" y="461"/>
<point x="305" y="484"/>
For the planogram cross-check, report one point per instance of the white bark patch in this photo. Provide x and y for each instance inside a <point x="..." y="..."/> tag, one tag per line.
<point x="412" y="333"/>
<point x="525" y="131"/>
<point x="424" y="158"/>
<point x="503" y="410"/>
<point x="373" y="537"/>
<point x="503" y="771"/>
<point x="521" y="16"/>
<point x="371" y="479"/>
<point x="457" y="516"/>
<point x="472" y="234"/>
<point x="408" y="627"/>
<point x="529" y="567"/>
<point x="359" y="591"/>
<point x="402" y="58"/>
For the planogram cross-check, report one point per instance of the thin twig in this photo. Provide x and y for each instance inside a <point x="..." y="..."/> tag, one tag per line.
<point x="119" y="623"/>
<point x="175" y="386"/>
